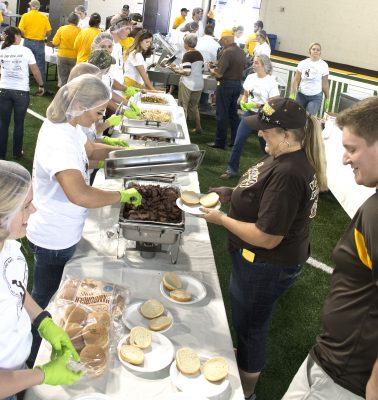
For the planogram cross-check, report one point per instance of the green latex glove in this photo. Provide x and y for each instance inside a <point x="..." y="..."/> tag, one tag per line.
<point x="57" y="337"/>
<point x="115" y="141"/>
<point x="247" y="106"/>
<point x="131" y="114"/>
<point x="130" y="91"/>
<point x="101" y="164"/>
<point x="292" y="96"/>
<point x="131" y="196"/>
<point x="57" y="373"/>
<point x="326" y="104"/>
<point x="114" y="120"/>
<point x="134" y="107"/>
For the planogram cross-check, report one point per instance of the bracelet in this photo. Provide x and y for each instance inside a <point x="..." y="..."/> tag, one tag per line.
<point x="40" y="317"/>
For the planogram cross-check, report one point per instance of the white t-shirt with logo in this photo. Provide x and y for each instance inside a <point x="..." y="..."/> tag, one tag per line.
<point x="57" y="224"/>
<point x="260" y="89"/>
<point x="262" y="48"/>
<point x="133" y="60"/>
<point x="15" y="324"/>
<point x="311" y="76"/>
<point x="15" y="61"/>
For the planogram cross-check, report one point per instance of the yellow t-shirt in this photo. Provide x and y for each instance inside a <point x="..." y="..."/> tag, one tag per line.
<point x="126" y="43"/>
<point x="83" y="43"/>
<point x="178" y="21"/>
<point x="34" y="25"/>
<point x="65" y="38"/>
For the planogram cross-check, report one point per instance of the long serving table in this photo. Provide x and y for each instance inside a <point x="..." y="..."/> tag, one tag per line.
<point x="202" y="326"/>
<point x="340" y="177"/>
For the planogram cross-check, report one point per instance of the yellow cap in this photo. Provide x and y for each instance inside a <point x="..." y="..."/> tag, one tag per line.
<point x="226" y="32"/>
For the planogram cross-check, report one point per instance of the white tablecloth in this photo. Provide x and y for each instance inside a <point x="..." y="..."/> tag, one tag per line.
<point x="202" y="326"/>
<point x="340" y="177"/>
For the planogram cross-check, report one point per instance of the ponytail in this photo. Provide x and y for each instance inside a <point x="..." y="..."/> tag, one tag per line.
<point x="313" y="146"/>
<point x="10" y="36"/>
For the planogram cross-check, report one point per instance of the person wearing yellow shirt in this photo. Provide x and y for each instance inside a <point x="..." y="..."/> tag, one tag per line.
<point x="84" y="39"/>
<point x="181" y="18"/>
<point x="3" y="10"/>
<point x="65" y="38"/>
<point x="251" y="41"/>
<point x="35" y="28"/>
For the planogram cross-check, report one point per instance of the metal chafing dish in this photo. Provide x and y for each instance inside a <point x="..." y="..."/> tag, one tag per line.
<point x="154" y="129"/>
<point x="153" y="160"/>
<point x="152" y="236"/>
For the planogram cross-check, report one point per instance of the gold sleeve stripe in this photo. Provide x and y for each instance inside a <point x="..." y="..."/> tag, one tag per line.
<point x="361" y="249"/>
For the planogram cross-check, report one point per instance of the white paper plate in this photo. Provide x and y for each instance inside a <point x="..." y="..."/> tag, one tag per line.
<point x="195" y="210"/>
<point x="192" y="285"/>
<point x="92" y="396"/>
<point x="185" y="396"/>
<point x="197" y="384"/>
<point x="156" y="357"/>
<point x="132" y="317"/>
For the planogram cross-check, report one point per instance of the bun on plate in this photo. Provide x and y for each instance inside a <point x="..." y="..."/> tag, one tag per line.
<point x="187" y="361"/>
<point x="171" y="281"/>
<point x="140" y="337"/>
<point x="131" y="354"/>
<point x="209" y="200"/>
<point x="190" y="198"/>
<point x="215" y="369"/>
<point x="152" y="309"/>
<point x="180" y="295"/>
<point x="160" y="323"/>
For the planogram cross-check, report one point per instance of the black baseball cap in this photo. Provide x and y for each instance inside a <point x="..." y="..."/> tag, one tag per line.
<point x="278" y="112"/>
<point x="184" y="9"/>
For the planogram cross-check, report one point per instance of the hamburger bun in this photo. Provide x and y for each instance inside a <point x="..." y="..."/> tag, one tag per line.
<point x="160" y="323"/>
<point x="209" y="200"/>
<point x="101" y="317"/>
<point x="96" y="334"/>
<point x="74" y="331"/>
<point x="180" y="295"/>
<point x="215" y="369"/>
<point x="140" y="337"/>
<point x="171" y="281"/>
<point x="152" y="309"/>
<point x="187" y="361"/>
<point x="94" y="358"/>
<point x="131" y="354"/>
<point x="75" y="314"/>
<point x="190" y="198"/>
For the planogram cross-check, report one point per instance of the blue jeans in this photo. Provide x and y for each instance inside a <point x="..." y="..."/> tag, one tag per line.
<point x="48" y="270"/>
<point x="38" y="49"/>
<point x="254" y="289"/>
<point x="310" y="103"/>
<point x="227" y="95"/>
<point x="242" y="135"/>
<point x="18" y="102"/>
<point x="14" y="397"/>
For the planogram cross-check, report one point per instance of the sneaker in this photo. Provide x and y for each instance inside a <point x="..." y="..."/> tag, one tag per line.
<point x="227" y="175"/>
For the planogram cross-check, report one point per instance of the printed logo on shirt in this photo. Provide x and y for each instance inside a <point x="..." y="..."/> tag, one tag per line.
<point x="251" y="176"/>
<point x="11" y="275"/>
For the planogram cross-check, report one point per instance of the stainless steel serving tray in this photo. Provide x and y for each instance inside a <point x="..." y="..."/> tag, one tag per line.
<point x="153" y="161"/>
<point x="168" y="131"/>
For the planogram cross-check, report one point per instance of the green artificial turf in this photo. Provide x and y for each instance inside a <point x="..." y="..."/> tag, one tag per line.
<point x="296" y="319"/>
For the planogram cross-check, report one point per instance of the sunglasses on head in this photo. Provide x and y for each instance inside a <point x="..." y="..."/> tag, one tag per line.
<point x="267" y="119"/>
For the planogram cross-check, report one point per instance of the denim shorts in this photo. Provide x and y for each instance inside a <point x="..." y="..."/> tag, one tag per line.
<point x="255" y="288"/>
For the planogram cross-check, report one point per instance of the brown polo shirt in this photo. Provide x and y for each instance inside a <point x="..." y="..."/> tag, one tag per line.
<point x="231" y="63"/>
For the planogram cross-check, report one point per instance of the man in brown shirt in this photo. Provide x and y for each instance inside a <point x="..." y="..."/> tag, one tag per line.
<point x="228" y="72"/>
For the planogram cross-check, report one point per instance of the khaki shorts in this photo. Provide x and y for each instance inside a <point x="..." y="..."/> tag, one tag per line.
<point x="312" y="383"/>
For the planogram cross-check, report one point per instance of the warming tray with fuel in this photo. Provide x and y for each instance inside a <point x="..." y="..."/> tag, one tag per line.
<point x="153" y="160"/>
<point x="152" y="236"/>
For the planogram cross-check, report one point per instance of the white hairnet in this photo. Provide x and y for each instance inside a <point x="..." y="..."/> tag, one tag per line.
<point x="77" y="97"/>
<point x="15" y="183"/>
<point x="84" y="68"/>
<point x="100" y="38"/>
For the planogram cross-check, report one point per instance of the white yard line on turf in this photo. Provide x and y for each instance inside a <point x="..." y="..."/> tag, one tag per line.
<point x="311" y="261"/>
<point x="34" y="114"/>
